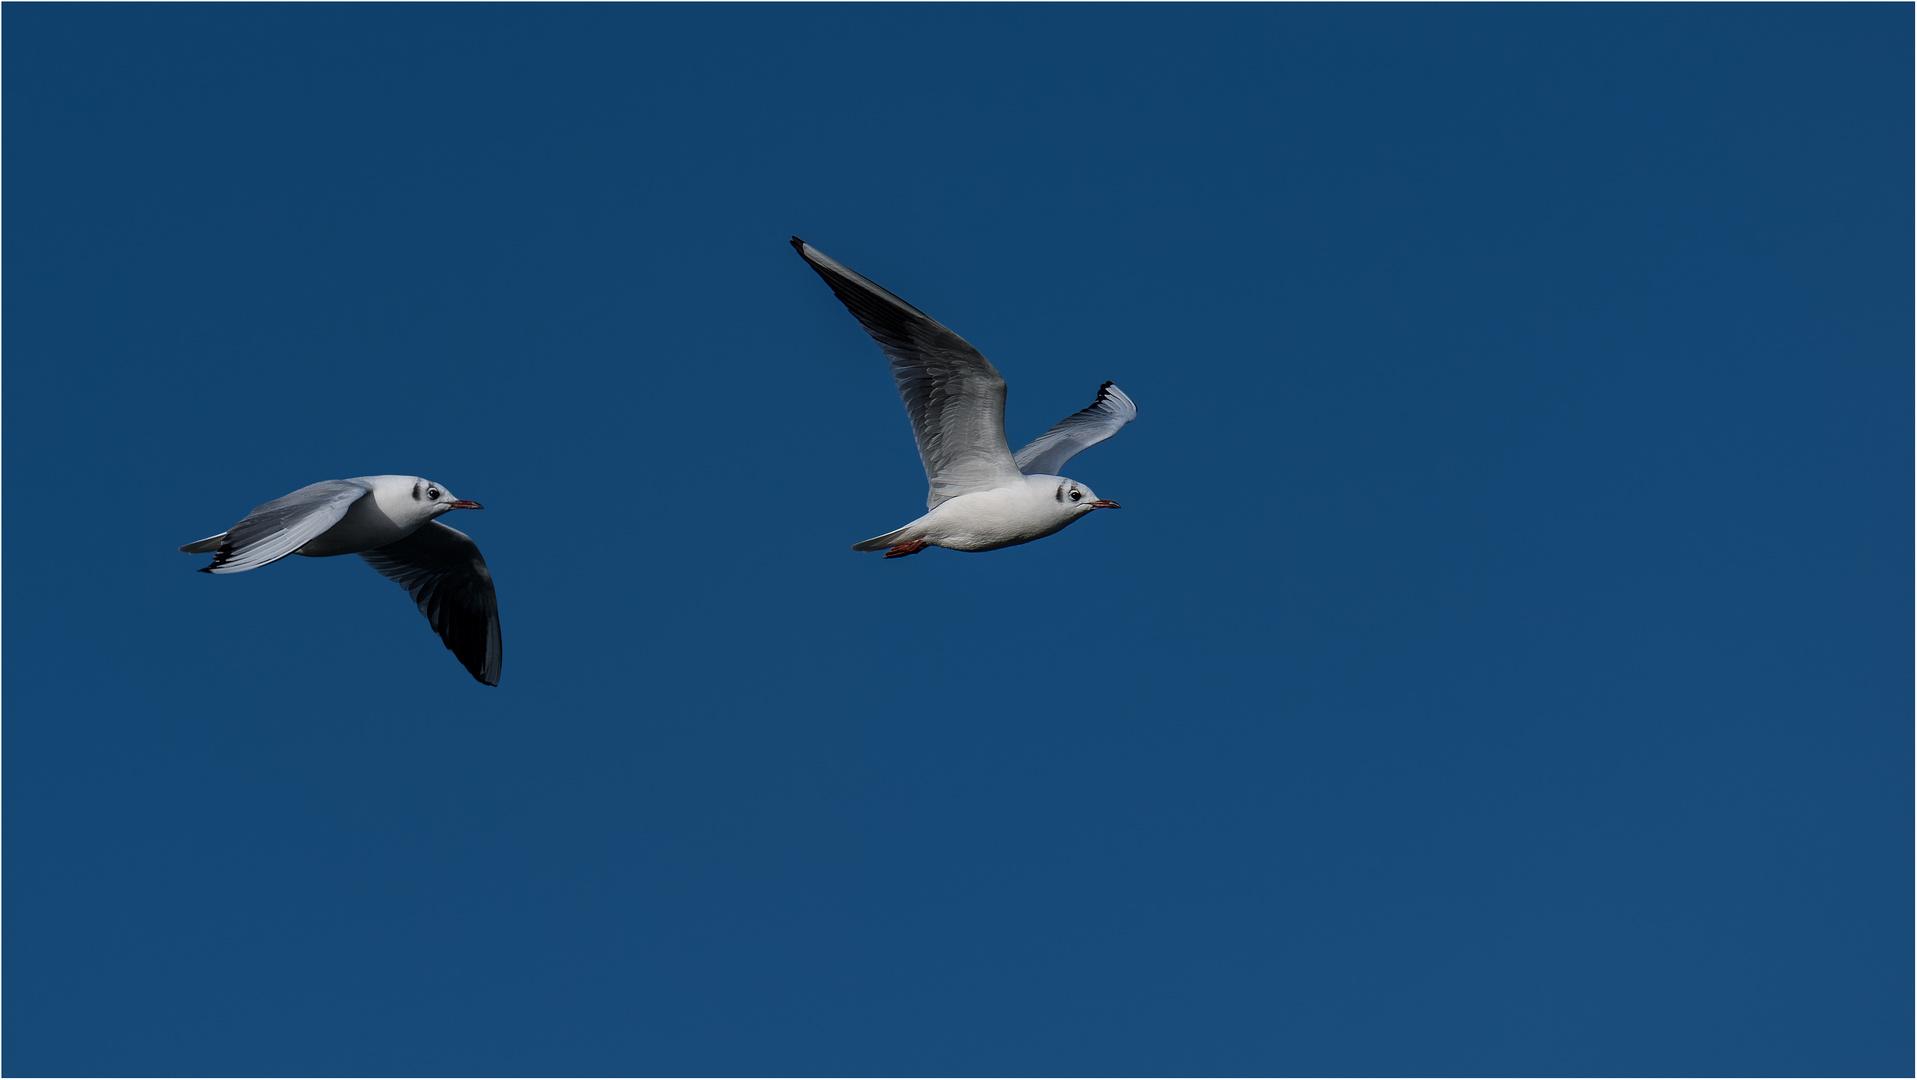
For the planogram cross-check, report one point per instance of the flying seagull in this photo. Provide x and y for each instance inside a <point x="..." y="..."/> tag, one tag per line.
<point x="388" y="521"/>
<point x="983" y="496"/>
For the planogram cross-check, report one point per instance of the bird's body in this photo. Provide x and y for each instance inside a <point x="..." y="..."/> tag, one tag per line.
<point x="982" y="496"/>
<point x="387" y="514"/>
<point x="1029" y="508"/>
<point x="390" y="522"/>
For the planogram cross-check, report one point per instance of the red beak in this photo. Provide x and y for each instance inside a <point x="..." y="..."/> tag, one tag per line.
<point x="1103" y="504"/>
<point x="466" y="504"/>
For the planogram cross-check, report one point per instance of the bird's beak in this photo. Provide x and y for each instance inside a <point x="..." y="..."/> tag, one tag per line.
<point x="1103" y="504"/>
<point x="465" y="504"/>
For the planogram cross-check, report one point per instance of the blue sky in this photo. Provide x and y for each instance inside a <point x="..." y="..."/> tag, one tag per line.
<point x="1500" y="666"/>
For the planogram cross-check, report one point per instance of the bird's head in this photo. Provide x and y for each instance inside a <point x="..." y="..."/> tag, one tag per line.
<point x="437" y="500"/>
<point x="1079" y="500"/>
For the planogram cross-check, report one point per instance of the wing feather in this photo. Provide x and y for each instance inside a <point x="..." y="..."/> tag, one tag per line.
<point x="447" y="577"/>
<point x="954" y="396"/>
<point x="276" y="529"/>
<point x="1089" y="426"/>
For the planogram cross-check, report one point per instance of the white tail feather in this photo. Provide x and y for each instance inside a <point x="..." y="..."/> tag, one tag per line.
<point x="880" y="543"/>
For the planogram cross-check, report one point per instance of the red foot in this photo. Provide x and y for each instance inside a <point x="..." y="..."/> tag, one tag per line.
<point x="912" y="548"/>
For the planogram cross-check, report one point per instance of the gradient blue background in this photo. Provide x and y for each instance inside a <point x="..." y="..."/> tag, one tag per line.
<point x="1501" y="663"/>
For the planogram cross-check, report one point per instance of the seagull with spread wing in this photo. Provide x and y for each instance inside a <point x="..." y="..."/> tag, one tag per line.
<point x="982" y="495"/>
<point x="389" y="522"/>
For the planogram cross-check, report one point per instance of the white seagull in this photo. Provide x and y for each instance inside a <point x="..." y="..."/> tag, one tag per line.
<point x="388" y="521"/>
<point x="983" y="496"/>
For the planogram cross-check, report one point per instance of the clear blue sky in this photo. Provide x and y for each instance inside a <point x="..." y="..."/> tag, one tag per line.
<point x="1501" y="663"/>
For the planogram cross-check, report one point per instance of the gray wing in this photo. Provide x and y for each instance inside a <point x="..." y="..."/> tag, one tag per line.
<point x="1088" y="426"/>
<point x="955" y="397"/>
<point x="441" y="567"/>
<point x="276" y="529"/>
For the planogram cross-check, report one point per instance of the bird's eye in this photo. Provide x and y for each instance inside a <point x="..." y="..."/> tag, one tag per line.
<point x="1076" y="496"/>
<point x="433" y="493"/>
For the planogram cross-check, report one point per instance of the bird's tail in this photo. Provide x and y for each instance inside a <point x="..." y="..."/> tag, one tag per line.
<point x="880" y="543"/>
<point x="202" y="547"/>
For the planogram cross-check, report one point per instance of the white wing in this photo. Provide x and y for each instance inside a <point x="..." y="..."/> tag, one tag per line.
<point x="955" y="397"/>
<point x="276" y="529"/>
<point x="1091" y="425"/>
<point x="442" y="568"/>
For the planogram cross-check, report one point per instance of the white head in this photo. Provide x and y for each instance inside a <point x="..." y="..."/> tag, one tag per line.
<point x="435" y="500"/>
<point x="1077" y="500"/>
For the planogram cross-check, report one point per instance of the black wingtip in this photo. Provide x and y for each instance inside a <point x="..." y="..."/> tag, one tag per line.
<point x="798" y="245"/>
<point x="1104" y="386"/>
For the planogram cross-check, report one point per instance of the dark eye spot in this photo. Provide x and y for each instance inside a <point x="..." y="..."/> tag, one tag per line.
<point x="1076" y="496"/>
<point x="433" y="493"/>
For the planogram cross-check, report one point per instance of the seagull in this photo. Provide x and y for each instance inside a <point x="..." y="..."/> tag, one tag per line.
<point x="982" y="495"/>
<point x="389" y="522"/>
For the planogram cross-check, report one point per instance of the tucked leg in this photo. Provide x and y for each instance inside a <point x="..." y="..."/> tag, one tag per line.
<point x="911" y="548"/>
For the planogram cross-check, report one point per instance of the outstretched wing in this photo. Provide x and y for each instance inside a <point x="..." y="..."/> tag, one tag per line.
<point x="277" y="529"/>
<point x="442" y="568"/>
<point x="1094" y="423"/>
<point x="955" y="397"/>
